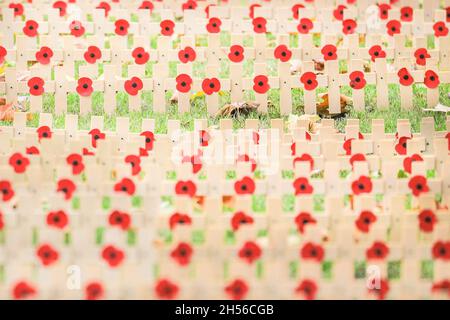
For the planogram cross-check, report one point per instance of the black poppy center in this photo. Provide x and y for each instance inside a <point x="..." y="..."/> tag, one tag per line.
<point x="96" y="137"/>
<point x="259" y="26"/>
<point x="167" y="28"/>
<point x="124" y="188"/>
<point x="85" y="86"/>
<point x="134" y="84"/>
<point x="139" y="55"/>
<point x="148" y="140"/>
<point x="211" y="85"/>
<point x="244" y="187"/>
<point x="406" y="77"/>
<point x="419" y="186"/>
<point x="357" y="79"/>
<point x="92" y="55"/>
<point x="284" y="54"/>
<point x="184" y="188"/>
<point x="35" y="87"/>
<point x="376" y="53"/>
<point x="260" y="83"/>
<point x="302" y="187"/>
<point x="428" y="219"/>
<point x="309" y="81"/>
<point x="19" y="162"/>
<point x="330" y="53"/>
<point x="248" y="253"/>
<point x="366" y="221"/>
<point x="56" y="219"/>
<point x="186" y="55"/>
<point x="432" y="78"/>
<point x="360" y="186"/>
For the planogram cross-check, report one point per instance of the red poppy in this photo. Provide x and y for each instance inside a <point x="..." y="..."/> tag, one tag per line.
<point x="244" y="186"/>
<point x="166" y="290"/>
<point x="187" y="54"/>
<point x="92" y="54"/>
<point x="204" y="138"/>
<point x="179" y="219"/>
<point x="135" y="163"/>
<point x="3" y="54"/>
<point x="146" y="5"/>
<point x="312" y="251"/>
<point x="237" y="290"/>
<point x="329" y="52"/>
<point x="261" y="84"/>
<point x="307" y="289"/>
<point x="250" y="252"/>
<point x="246" y="158"/>
<point x="17" y="7"/>
<point x="295" y="10"/>
<point x="105" y="6"/>
<point x="357" y="80"/>
<point x="67" y="187"/>
<point x="76" y="161"/>
<point x="448" y="13"/>
<point x="349" y="26"/>
<point x="18" y="162"/>
<point x="240" y="218"/>
<point x="303" y="219"/>
<point x="149" y="139"/>
<point x="185" y="188"/>
<point x="365" y="220"/>
<point x="2" y="223"/>
<point x="47" y="254"/>
<point x="338" y="13"/>
<point x="406" y="14"/>
<point x="305" y="157"/>
<point x="167" y="27"/>
<point x="6" y="190"/>
<point x="62" y="6"/>
<point x="120" y="219"/>
<point x="31" y="28"/>
<point x="362" y="185"/>
<point x="427" y="220"/>
<point x="259" y="25"/>
<point x="282" y="53"/>
<point x="376" y="52"/>
<point x="213" y="25"/>
<point x="302" y="186"/>
<point x="96" y="135"/>
<point x="44" y="55"/>
<point x="421" y="56"/>
<point x="236" y="53"/>
<point x="133" y="86"/>
<point x="441" y="250"/>
<point x="36" y="85"/>
<point x="184" y="82"/>
<point x="384" y="10"/>
<point x="440" y="29"/>
<point x="407" y="162"/>
<point x="32" y="150"/>
<point x="357" y="157"/>
<point x="189" y="5"/>
<point x="305" y="25"/>
<point x="195" y="161"/>
<point x="23" y="290"/>
<point x="442" y="286"/>
<point x="309" y="80"/>
<point x="182" y="254"/>
<point x="210" y="86"/>
<point x="252" y="7"/>
<point x="140" y="55"/>
<point x="94" y="291"/>
<point x="255" y="137"/>
<point x="418" y="185"/>
<point x="378" y="251"/>
<point x="113" y="256"/>
<point x="405" y="78"/>
<point x="44" y="132"/>
<point x="76" y="28"/>
<point x="122" y="26"/>
<point x="401" y="146"/>
<point x="57" y="219"/>
<point x="125" y="185"/>
<point x="381" y="291"/>
<point x="84" y="87"/>
<point x="431" y="79"/>
<point x="393" y="27"/>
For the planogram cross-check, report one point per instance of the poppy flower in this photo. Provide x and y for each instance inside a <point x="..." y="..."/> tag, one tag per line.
<point x="255" y="137"/>
<point x="122" y="26"/>
<point x="76" y="161"/>
<point x="92" y="54"/>
<point x="295" y="10"/>
<point x="31" y="28"/>
<point x="302" y="220"/>
<point x="76" y="28"/>
<point x="259" y="25"/>
<point x="113" y="256"/>
<point x="305" y="25"/>
<point x="44" y="132"/>
<point x="405" y="78"/>
<point x="431" y="79"/>
<point x="135" y="163"/>
<point x="213" y="25"/>
<point x="250" y="252"/>
<point x="357" y="157"/>
<point x="119" y="219"/>
<point x="57" y="219"/>
<point x="179" y="219"/>
<point x="362" y="185"/>
<point x="237" y="290"/>
<point x="32" y="150"/>
<point x="307" y="289"/>
<point x="282" y="53"/>
<point x="441" y="250"/>
<point x="440" y="29"/>
<point x="166" y="290"/>
<point x="62" y="6"/>
<point x="105" y="6"/>
<point x="246" y="158"/>
<point x="17" y="7"/>
<point x="309" y="80"/>
<point x="302" y="186"/>
<point x="384" y="10"/>
<point x="204" y="138"/>
<point x="244" y="186"/>
<point x="182" y="254"/>
<point x="149" y="139"/>
<point x="239" y="219"/>
<point x="96" y="135"/>
<point x="357" y="80"/>
<point x="365" y="220"/>
<point x="167" y="27"/>
<point x="252" y="7"/>
<point x="146" y="5"/>
<point x="84" y="87"/>
<point x="261" y="84"/>
<point x="407" y="162"/>
<point x="378" y="251"/>
<point x="133" y="86"/>
<point x="210" y="86"/>
<point x="44" y="55"/>
<point x="3" y="54"/>
<point x="312" y="251"/>
<point x="338" y="13"/>
<point x="187" y="55"/>
<point x="305" y="157"/>
<point x="47" y="254"/>
<point x="18" y="162"/>
<point x="381" y="291"/>
<point x="196" y="162"/>
<point x="185" y="188"/>
<point x="189" y="5"/>
<point x="140" y="55"/>
<point x="400" y="147"/>
<point x="427" y="220"/>
<point x="23" y="290"/>
<point x="94" y="291"/>
<point x="184" y="82"/>
<point x="441" y="286"/>
<point x="393" y="27"/>
<point x="36" y="85"/>
<point x="2" y="223"/>
<point x="6" y="190"/>
<point x="418" y="185"/>
<point x="236" y="53"/>
<point x="329" y="52"/>
<point x="406" y="14"/>
<point x="125" y="185"/>
<point x="376" y="52"/>
<point x="349" y="26"/>
<point x="421" y="56"/>
<point x="67" y="187"/>
<point x="448" y="13"/>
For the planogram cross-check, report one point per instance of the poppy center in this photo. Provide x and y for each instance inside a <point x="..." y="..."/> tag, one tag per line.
<point x="45" y="55"/>
<point x="406" y="14"/>
<point x="428" y="219"/>
<point x="148" y="140"/>
<point x="360" y="186"/>
<point x="85" y="86"/>
<point x="313" y="252"/>
<point x="367" y="221"/>
<point x="236" y="53"/>
<point x="124" y="188"/>
<point x="406" y="77"/>
<point x="56" y="219"/>
<point x="244" y="187"/>
<point x="184" y="188"/>
<point x="35" y="87"/>
<point x="357" y="79"/>
<point x="134" y="84"/>
<point x="378" y="252"/>
<point x="309" y="81"/>
<point x="248" y="253"/>
<point x="167" y="28"/>
<point x="284" y="54"/>
<point x="302" y="187"/>
<point x="96" y="137"/>
<point x="440" y="29"/>
<point x="64" y="190"/>
<point x="419" y="186"/>
<point x="211" y="85"/>
<point x="259" y="26"/>
<point x="19" y="162"/>
<point x="5" y="191"/>
<point x="139" y="55"/>
<point x="422" y="56"/>
<point x="183" y="84"/>
<point x="432" y="78"/>
<point x="186" y="55"/>
<point x="304" y="27"/>
<point x="214" y="25"/>
<point x="92" y="55"/>
<point x="119" y="219"/>
<point x="330" y="53"/>
<point x="376" y="53"/>
<point x="45" y="134"/>
<point x="260" y="83"/>
<point x="31" y="27"/>
<point x="182" y="252"/>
